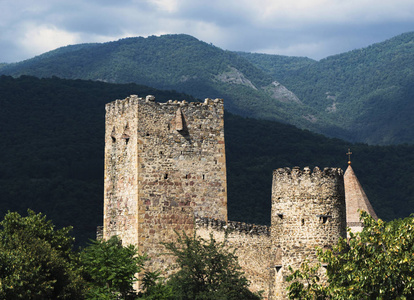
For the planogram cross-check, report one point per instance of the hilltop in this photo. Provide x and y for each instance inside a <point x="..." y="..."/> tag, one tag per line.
<point x="354" y="95"/>
<point x="178" y="62"/>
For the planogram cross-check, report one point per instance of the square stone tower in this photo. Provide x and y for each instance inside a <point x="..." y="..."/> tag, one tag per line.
<point x="164" y="165"/>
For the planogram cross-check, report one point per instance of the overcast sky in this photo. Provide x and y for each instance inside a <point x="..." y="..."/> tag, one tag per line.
<point x="312" y="28"/>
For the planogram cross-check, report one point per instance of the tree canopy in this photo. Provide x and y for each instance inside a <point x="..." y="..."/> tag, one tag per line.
<point x="36" y="260"/>
<point x="377" y="263"/>
<point x="110" y="269"/>
<point x="206" y="270"/>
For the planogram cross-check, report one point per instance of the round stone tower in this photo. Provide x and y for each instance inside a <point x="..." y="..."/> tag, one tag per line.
<point x="308" y="211"/>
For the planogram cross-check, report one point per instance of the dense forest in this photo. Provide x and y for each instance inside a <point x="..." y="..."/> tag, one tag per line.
<point x="52" y="147"/>
<point x="363" y="90"/>
<point x="353" y="96"/>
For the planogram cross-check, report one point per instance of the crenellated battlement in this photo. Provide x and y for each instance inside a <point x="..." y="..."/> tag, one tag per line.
<point x="315" y="174"/>
<point x="232" y="226"/>
<point x="122" y="105"/>
<point x="307" y="195"/>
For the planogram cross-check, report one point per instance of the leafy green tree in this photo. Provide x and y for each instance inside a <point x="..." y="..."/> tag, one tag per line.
<point x="37" y="261"/>
<point x="306" y="283"/>
<point x="377" y="263"/>
<point x="110" y="269"/>
<point x="206" y="270"/>
<point x="155" y="288"/>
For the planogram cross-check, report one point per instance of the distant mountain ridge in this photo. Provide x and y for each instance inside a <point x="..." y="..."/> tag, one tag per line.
<point x="369" y="91"/>
<point x="178" y="62"/>
<point x="354" y="96"/>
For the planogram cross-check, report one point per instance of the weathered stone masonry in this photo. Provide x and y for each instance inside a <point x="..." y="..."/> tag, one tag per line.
<point x="308" y="211"/>
<point x="252" y="244"/>
<point x="164" y="164"/>
<point x="165" y="170"/>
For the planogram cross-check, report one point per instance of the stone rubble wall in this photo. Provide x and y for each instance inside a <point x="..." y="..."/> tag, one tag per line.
<point x="251" y="242"/>
<point x="308" y="211"/>
<point x="121" y="178"/>
<point x="166" y="165"/>
<point x="165" y="171"/>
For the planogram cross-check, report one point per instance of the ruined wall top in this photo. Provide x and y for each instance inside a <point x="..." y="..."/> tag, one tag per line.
<point x="315" y="174"/>
<point x="121" y="105"/>
<point x="232" y="226"/>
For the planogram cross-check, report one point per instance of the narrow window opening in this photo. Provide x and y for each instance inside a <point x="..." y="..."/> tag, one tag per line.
<point x="160" y="152"/>
<point x="166" y="176"/>
<point x="113" y="135"/>
<point x="127" y="140"/>
<point x="278" y="267"/>
<point x="168" y="126"/>
<point x="204" y="177"/>
<point x="186" y="176"/>
<point x="324" y="218"/>
<point x="303" y="222"/>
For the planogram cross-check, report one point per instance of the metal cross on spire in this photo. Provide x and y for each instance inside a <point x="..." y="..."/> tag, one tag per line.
<point x="349" y="156"/>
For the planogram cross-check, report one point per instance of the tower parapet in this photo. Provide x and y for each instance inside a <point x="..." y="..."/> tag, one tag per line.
<point x="308" y="211"/>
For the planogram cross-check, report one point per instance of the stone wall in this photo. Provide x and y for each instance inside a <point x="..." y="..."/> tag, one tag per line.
<point x="252" y="244"/>
<point x="121" y="178"/>
<point x="308" y="211"/>
<point x="164" y="164"/>
<point x="165" y="171"/>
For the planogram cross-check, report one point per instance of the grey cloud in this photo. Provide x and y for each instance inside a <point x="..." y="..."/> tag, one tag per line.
<point x="13" y="53"/>
<point x="231" y="25"/>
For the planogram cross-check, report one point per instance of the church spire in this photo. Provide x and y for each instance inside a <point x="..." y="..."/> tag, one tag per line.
<point x="355" y="199"/>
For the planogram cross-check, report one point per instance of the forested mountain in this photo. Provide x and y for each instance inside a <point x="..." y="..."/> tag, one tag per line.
<point x="52" y="143"/>
<point x="369" y="91"/>
<point x="354" y="95"/>
<point x="277" y="65"/>
<point x="178" y="62"/>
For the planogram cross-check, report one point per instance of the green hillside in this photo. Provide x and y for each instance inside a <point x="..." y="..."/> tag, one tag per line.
<point x="353" y="96"/>
<point x="368" y="93"/>
<point x="53" y="140"/>
<point x="178" y="62"/>
<point x="277" y="65"/>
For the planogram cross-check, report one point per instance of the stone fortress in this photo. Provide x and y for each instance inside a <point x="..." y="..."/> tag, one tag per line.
<point x="165" y="171"/>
